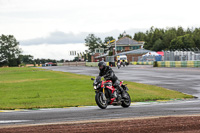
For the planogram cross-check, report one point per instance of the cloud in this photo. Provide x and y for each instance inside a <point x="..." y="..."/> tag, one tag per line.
<point x="53" y="51"/>
<point x="59" y="37"/>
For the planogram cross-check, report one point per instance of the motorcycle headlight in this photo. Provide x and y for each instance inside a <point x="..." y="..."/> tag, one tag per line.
<point x="95" y="87"/>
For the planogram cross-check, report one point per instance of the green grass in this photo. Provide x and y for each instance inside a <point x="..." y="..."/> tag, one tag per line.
<point x="29" y="88"/>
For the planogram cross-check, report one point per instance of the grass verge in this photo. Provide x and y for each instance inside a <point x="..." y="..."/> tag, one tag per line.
<point x="30" y="88"/>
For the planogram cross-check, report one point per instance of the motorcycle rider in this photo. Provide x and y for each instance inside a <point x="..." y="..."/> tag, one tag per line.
<point x="118" y="64"/>
<point x="108" y="74"/>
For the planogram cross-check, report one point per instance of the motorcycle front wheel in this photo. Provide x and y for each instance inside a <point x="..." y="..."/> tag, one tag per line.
<point x="101" y="101"/>
<point x="127" y="102"/>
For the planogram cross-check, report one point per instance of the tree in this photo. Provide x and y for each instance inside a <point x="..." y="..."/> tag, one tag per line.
<point x="158" y="45"/>
<point x="196" y="37"/>
<point x="182" y="42"/>
<point x="93" y="42"/>
<point x="140" y="36"/>
<point x="176" y="44"/>
<point x="149" y="39"/>
<point x="109" y="38"/>
<point x="188" y="41"/>
<point x="9" y="51"/>
<point x="27" y="59"/>
<point x="61" y="61"/>
<point x="169" y="35"/>
<point x="37" y="61"/>
<point x="180" y="31"/>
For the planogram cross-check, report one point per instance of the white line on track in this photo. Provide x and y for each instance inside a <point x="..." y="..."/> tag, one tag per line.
<point x="13" y="121"/>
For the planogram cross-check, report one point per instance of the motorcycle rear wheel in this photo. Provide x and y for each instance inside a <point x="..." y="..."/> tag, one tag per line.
<point x="127" y="102"/>
<point x="99" y="100"/>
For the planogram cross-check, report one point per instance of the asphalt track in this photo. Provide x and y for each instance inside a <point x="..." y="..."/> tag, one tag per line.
<point x="185" y="80"/>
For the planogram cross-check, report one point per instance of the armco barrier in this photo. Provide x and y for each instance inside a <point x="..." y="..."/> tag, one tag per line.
<point x="178" y="63"/>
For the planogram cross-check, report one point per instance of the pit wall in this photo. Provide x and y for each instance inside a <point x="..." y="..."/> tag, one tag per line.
<point x="177" y="64"/>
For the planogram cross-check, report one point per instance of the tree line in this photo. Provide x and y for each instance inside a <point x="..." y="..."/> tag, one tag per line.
<point x="170" y="39"/>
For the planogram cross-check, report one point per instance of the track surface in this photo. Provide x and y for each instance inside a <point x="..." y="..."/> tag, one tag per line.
<point x="185" y="80"/>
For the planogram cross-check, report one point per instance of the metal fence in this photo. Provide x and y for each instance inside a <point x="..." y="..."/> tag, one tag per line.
<point x="110" y="59"/>
<point x="173" y="56"/>
<point x="181" y="55"/>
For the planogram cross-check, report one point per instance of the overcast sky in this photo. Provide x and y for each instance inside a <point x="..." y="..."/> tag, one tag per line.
<point x="59" y="22"/>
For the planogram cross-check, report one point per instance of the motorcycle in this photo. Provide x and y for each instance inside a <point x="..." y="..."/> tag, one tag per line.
<point x="118" y="65"/>
<point x="123" y="63"/>
<point x="106" y="94"/>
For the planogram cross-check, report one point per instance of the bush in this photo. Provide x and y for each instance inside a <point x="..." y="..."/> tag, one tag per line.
<point x="22" y="65"/>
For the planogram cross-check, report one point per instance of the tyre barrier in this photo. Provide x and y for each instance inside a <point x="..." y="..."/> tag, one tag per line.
<point x="176" y="64"/>
<point x="142" y="63"/>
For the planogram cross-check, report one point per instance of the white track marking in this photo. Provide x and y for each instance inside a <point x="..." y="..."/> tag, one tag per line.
<point x="13" y="121"/>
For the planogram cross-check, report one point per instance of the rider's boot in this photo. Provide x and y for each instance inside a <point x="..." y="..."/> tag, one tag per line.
<point x="123" y="92"/>
<point x="114" y="95"/>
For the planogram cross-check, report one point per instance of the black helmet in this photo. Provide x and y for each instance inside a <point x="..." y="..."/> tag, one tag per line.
<point x="102" y="65"/>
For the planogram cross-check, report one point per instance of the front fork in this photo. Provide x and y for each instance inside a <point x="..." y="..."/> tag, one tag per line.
<point x="104" y="96"/>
